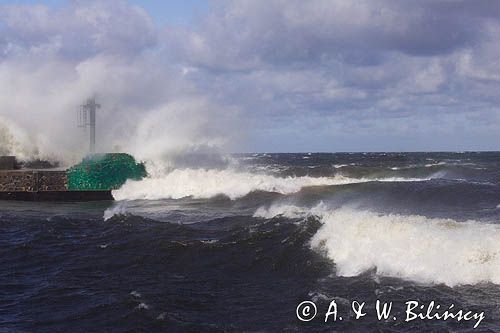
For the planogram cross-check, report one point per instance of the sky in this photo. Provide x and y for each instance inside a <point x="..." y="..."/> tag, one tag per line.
<point x="252" y="76"/>
<point x="163" y="12"/>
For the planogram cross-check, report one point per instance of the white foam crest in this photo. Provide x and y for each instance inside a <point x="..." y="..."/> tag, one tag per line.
<point x="339" y="166"/>
<point x="416" y="166"/>
<point x="429" y="165"/>
<point x="118" y="209"/>
<point x="207" y="183"/>
<point x="202" y="183"/>
<point x="411" y="247"/>
<point x="289" y="211"/>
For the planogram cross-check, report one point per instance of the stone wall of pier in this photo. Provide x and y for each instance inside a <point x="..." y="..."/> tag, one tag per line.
<point x="32" y="181"/>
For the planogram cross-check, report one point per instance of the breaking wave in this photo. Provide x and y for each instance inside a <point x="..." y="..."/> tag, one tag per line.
<point x="411" y="247"/>
<point x="207" y="183"/>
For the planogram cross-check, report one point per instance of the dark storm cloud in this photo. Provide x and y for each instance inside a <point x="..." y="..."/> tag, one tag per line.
<point x="242" y="34"/>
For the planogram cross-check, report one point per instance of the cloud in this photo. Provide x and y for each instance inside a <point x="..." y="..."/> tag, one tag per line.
<point x="302" y="75"/>
<point x="247" y="34"/>
<point x="77" y="31"/>
<point x="364" y="62"/>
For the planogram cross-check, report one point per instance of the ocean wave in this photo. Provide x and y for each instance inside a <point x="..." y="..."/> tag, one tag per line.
<point x="417" y="166"/>
<point x="430" y="165"/>
<point x="411" y="247"/>
<point x="203" y="183"/>
<point x="115" y="210"/>
<point x="338" y="166"/>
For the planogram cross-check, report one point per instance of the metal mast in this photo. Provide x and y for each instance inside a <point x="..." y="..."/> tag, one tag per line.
<point x="86" y="118"/>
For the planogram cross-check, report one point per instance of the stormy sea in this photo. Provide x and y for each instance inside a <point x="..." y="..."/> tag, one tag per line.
<point x="237" y="245"/>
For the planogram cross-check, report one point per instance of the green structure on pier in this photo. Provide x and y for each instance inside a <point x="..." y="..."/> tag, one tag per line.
<point x="104" y="172"/>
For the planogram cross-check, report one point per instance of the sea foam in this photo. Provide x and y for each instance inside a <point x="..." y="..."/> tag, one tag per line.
<point x="207" y="183"/>
<point x="411" y="247"/>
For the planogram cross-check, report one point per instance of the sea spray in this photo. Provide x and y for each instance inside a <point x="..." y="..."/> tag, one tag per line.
<point x="119" y="208"/>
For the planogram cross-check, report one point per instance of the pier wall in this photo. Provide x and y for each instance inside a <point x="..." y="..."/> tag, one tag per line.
<point x="32" y="181"/>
